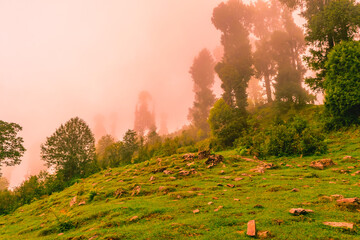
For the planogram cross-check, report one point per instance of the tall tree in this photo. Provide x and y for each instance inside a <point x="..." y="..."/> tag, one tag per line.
<point x="235" y="69"/>
<point x="286" y="48"/>
<point x="202" y="73"/>
<point x="11" y="145"/>
<point x="266" y="20"/>
<point x="70" y="149"/>
<point x="144" y="118"/>
<point x="327" y="23"/>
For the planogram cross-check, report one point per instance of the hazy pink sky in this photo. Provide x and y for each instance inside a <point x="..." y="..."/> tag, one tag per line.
<point x="66" y="58"/>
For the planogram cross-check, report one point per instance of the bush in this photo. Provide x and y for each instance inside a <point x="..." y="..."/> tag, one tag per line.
<point x="294" y="137"/>
<point x="342" y="84"/>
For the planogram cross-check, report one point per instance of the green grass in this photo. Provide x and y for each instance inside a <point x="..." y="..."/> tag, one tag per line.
<point x="167" y="213"/>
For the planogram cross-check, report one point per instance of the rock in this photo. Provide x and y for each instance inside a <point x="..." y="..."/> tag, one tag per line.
<point x="152" y="178"/>
<point x="136" y="190"/>
<point x="173" y="178"/>
<point x="238" y="179"/>
<point x="159" y="170"/>
<point x="203" y="154"/>
<point x="215" y="198"/>
<point x="217" y="209"/>
<point x="162" y="188"/>
<point x="269" y="165"/>
<point x="300" y="211"/>
<point x="188" y="156"/>
<point x="81" y="203"/>
<point x="236" y="199"/>
<point x="184" y="173"/>
<point x="133" y="218"/>
<point x="107" y="174"/>
<point x="189" y="164"/>
<point x="209" y="203"/>
<point x="73" y="201"/>
<point x="258" y="170"/>
<point x="251" y="228"/>
<point x="222" y="172"/>
<point x="119" y="192"/>
<point x="60" y="234"/>
<point x="294" y="190"/>
<point x="258" y="206"/>
<point x="337" y="196"/>
<point x="219" y="185"/>
<point x="264" y="234"/>
<point x="340" y="224"/>
<point x="348" y="158"/>
<point x="167" y="172"/>
<point x="213" y="160"/>
<point x="321" y="164"/>
<point x="196" y="211"/>
<point x="230" y="185"/>
<point x="349" y="202"/>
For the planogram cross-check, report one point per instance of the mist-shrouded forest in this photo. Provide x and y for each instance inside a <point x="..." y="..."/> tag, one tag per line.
<point x="89" y="87"/>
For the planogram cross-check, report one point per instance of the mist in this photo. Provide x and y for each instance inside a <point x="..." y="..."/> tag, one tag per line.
<point x="87" y="58"/>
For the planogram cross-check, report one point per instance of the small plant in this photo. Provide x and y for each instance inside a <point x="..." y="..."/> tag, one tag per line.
<point x="92" y="194"/>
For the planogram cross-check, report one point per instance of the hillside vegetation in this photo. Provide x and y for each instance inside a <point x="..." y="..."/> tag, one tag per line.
<point x="175" y="198"/>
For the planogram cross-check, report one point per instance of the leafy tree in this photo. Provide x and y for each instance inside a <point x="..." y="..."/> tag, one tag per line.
<point x="342" y="83"/>
<point x="286" y="46"/>
<point x="4" y="183"/>
<point x="225" y="123"/>
<point x="130" y="145"/>
<point x="235" y="69"/>
<point x="102" y="145"/>
<point x="328" y="23"/>
<point x="11" y="145"/>
<point x="113" y="155"/>
<point x="202" y="72"/>
<point x="71" y="149"/>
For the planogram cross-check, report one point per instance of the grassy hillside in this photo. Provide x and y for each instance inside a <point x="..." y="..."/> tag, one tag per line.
<point x="143" y="201"/>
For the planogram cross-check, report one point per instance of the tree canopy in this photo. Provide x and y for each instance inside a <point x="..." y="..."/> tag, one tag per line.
<point x="11" y="145"/>
<point x="71" y="149"/>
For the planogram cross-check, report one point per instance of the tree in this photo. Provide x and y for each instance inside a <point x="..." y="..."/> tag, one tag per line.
<point x="144" y="118"/>
<point x="342" y="83"/>
<point x="225" y="123"/>
<point x="130" y="145"/>
<point x="286" y="47"/>
<point x="328" y="23"/>
<point x="4" y="183"/>
<point x="235" y="69"/>
<point x="102" y="145"/>
<point x="71" y="149"/>
<point x="11" y="145"/>
<point x="202" y="72"/>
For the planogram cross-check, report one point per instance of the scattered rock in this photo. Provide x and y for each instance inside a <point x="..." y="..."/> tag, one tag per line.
<point x="349" y="202"/>
<point x="238" y="179"/>
<point x="196" y="211"/>
<point x="340" y="224"/>
<point x="215" y="198"/>
<point x="107" y="174"/>
<point x="217" y="209"/>
<point x="294" y="190"/>
<point x="213" y="160"/>
<point x="258" y="170"/>
<point x="81" y="203"/>
<point x="209" y="203"/>
<point x="222" y="172"/>
<point x="119" y="192"/>
<point x="203" y="154"/>
<point x="348" y="158"/>
<point x="188" y="156"/>
<point x="60" y="234"/>
<point x="337" y="196"/>
<point x="264" y="234"/>
<point x="236" y="199"/>
<point x="162" y="188"/>
<point x="152" y="178"/>
<point x="184" y="173"/>
<point x="173" y="178"/>
<point x="251" y="228"/>
<point x="258" y="206"/>
<point x="189" y="164"/>
<point x="73" y="201"/>
<point x="93" y="237"/>
<point x="321" y="164"/>
<point x="136" y="190"/>
<point x="133" y="218"/>
<point x="159" y="170"/>
<point x="230" y="185"/>
<point x="269" y="165"/>
<point x="167" y="172"/>
<point x="219" y="185"/>
<point x="300" y="211"/>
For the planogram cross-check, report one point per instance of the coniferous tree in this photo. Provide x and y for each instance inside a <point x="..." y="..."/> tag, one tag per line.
<point x="202" y="72"/>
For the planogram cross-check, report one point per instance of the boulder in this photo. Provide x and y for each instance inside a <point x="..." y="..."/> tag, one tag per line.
<point x="188" y="156"/>
<point x="203" y="154"/>
<point x="349" y="202"/>
<point x="321" y="164"/>
<point x="73" y="201"/>
<point x="300" y="211"/>
<point x="264" y="234"/>
<point x="251" y="228"/>
<point x="213" y="160"/>
<point x="340" y="224"/>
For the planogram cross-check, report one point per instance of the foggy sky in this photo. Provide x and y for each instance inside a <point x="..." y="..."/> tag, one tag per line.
<point x="89" y="58"/>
